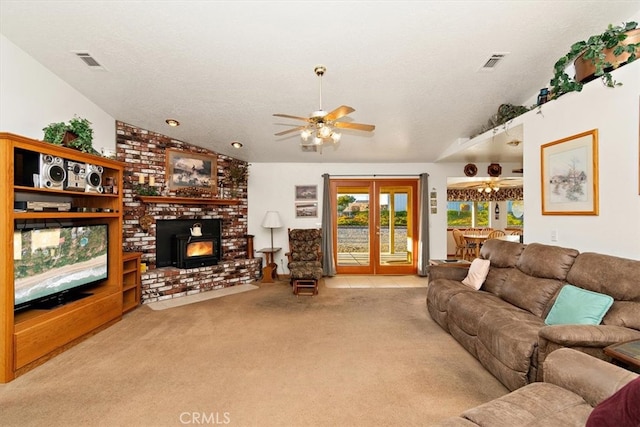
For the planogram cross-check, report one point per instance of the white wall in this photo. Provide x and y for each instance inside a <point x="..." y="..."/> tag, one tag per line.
<point x="615" y="113"/>
<point x="32" y="97"/>
<point x="272" y="186"/>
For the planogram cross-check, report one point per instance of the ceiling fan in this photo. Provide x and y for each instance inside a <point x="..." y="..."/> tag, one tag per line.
<point x="320" y="124"/>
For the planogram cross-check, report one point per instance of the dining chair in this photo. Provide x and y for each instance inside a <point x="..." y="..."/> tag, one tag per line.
<point x="464" y="249"/>
<point x="495" y="234"/>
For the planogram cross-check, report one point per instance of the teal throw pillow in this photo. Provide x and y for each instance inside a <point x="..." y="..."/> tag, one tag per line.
<point x="577" y="306"/>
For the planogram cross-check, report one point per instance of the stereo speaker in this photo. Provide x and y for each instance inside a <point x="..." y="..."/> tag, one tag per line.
<point x="52" y="173"/>
<point x="94" y="179"/>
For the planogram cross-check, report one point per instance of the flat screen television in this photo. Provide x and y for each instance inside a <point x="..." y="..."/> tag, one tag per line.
<point x="54" y="265"/>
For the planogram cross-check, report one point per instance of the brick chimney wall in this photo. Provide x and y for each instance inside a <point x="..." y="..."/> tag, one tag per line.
<point x="144" y="152"/>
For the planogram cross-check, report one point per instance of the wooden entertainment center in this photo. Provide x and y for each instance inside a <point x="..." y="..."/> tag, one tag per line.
<point x="30" y="337"/>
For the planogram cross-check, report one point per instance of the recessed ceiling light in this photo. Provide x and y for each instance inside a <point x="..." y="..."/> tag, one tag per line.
<point x="172" y="122"/>
<point x="236" y="144"/>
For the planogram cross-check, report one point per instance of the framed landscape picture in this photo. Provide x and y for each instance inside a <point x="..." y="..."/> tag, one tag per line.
<point x="307" y="210"/>
<point x="186" y="169"/>
<point x="569" y="171"/>
<point x="306" y="192"/>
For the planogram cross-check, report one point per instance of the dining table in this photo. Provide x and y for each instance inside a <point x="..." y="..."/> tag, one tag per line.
<point x="478" y="239"/>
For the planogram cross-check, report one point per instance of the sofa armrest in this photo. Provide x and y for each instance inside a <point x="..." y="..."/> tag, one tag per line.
<point x="445" y="272"/>
<point x="587" y="376"/>
<point x="589" y="339"/>
<point x="587" y="335"/>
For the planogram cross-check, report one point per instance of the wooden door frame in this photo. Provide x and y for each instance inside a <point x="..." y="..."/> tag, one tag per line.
<point x="373" y="186"/>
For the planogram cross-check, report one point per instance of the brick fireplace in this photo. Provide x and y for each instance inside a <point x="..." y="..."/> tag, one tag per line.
<point x="144" y="152"/>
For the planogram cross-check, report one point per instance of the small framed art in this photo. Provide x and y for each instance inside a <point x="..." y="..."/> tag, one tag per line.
<point x="306" y="192"/>
<point x="307" y="210"/>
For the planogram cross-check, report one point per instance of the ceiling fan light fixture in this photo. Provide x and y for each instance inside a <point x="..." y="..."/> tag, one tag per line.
<point x="305" y="134"/>
<point x="324" y="131"/>
<point x="320" y="124"/>
<point x="488" y="187"/>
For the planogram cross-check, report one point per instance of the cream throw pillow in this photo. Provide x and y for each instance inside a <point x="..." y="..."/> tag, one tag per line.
<point x="477" y="273"/>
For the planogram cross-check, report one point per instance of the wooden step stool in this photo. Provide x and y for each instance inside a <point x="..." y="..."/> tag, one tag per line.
<point x="305" y="287"/>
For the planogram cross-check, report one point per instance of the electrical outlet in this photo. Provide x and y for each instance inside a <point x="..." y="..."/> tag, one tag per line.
<point x="554" y="235"/>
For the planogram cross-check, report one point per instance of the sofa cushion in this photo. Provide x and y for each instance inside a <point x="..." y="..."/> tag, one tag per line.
<point x="511" y="336"/>
<point x="623" y="313"/>
<point x="477" y="273"/>
<point x="466" y="309"/>
<point x="577" y="306"/>
<point x="441" y="291"/>
<point x="530" y="293"/>
<point x="496" y="278"/>
<point x="501" y="253"/>
<point x="540" y="404"/>
<point x="613" y="276"/>
<point x="620" y="410"/>
<point x="546" y="262"/>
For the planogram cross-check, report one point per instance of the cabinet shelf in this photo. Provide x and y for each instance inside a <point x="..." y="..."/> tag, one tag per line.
<point x="65" y="215"/>
<point x="131" y="280"/>
<point x="53" y="191"/>
<point x="187" y="200"/>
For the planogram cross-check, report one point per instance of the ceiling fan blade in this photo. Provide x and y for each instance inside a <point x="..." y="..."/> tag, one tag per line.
<point x="284" y="132"/>
<point x="337" y="113"/>
<point x="306" y="119"/>
<point x="356" y="126"/>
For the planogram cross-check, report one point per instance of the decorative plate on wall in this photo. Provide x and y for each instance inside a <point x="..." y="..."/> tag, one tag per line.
<point x="470" y="169"/>
<point x="494" y="169"/>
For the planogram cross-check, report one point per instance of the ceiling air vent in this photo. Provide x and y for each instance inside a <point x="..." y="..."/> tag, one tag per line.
<point x="89" y="60"/>
<point x="493" y="61"/>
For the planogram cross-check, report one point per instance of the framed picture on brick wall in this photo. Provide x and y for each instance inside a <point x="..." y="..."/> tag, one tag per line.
<point x="186" y="169"/>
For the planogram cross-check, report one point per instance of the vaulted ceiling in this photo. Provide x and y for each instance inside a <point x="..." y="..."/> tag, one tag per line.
<point x="222" y="68"/>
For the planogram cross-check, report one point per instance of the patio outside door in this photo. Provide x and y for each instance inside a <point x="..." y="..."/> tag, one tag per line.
<point x="375" y="225"/>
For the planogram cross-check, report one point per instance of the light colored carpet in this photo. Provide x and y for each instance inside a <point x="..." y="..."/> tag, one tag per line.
<point x="202" y="296"/>
<point x="343" y="281"/>
<point x="345" y="357"/>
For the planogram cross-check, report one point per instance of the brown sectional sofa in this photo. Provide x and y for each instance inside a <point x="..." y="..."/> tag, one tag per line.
<point x="574" y="383"/>
<point x="502" y="324"/>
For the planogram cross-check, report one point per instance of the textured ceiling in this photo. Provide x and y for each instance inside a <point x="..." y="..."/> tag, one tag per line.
<point x="222" y="68"/>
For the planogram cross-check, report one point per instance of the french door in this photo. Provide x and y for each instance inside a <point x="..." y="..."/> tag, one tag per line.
<point x="375" y="225"/>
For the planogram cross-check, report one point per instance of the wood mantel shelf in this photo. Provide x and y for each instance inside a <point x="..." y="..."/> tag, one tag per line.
<point x="187" y="200"/>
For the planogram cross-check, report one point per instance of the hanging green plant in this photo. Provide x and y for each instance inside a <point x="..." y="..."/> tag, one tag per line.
<point x="236" y="174"/>
<point x="602" y="53"/>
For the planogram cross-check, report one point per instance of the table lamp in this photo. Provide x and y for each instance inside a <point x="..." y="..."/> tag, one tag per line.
<point x="271" y="220"/>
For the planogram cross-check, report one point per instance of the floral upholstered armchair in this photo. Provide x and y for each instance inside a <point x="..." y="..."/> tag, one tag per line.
<point x="305" y="258"/>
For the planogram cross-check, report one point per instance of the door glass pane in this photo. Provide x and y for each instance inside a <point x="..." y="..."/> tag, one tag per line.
<point x="395" y="242"/>
<point x="353" y="226"/>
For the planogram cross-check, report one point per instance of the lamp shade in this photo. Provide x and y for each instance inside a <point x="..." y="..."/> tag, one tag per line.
<point x="271" y="220"/>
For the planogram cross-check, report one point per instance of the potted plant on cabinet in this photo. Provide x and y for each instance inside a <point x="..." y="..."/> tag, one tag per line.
<point x="596" y="57"/>
<point x="76" y="134"/>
